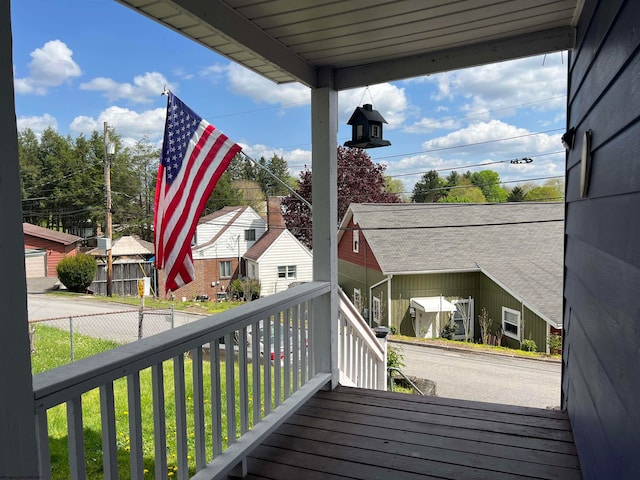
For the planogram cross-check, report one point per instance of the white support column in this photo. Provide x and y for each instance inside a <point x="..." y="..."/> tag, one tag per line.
<point x="18" y="450"/>
<point x="324" y="133"/>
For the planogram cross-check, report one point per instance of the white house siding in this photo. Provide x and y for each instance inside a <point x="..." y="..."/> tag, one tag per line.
<point x="286" y="250"/>
<point x="231" y="242"/>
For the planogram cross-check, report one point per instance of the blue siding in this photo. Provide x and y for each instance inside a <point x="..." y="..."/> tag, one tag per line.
<point x="601" y="355"/>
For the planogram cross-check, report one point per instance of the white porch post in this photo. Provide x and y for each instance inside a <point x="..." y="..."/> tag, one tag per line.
<point x="18" y="450"/>
<point x="324" y="132"/>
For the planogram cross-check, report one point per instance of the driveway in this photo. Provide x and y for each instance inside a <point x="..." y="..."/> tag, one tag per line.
<point x="483" y="376"/>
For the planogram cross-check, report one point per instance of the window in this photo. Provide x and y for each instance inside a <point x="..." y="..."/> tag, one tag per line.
<point x="225" y="269"/>
<point x="356" y="241"/>
<point x="375" y="131"/>
<point x="288" y="271"/>
<point x="357" y="299"/>
<point x="511" y="323"/>
<point x="250" y="235"/>
<point x="359" y="134"/>
<point x="376" y="310"/>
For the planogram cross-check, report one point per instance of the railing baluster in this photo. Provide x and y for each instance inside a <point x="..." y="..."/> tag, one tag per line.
<point x="287" y="353"/>
<point x="230" y="382"/>
<point x="77" y="466"/>
<point x="277" y="359"/>
<point x="216" y="404"/>
<point x="108" y="420"/>
<point x="159" y="420"/>
<point x="243" y="381"/>
<point x="266" y="359"/>
<point x="255" y="362"/>
<point x="198" y="408"/>
<point x="307" y="357"/>
<point x="135" y="426"/>
<point x="296" y="348"/>
<point x="44" y="455"/>
<point x="181" y="417"/>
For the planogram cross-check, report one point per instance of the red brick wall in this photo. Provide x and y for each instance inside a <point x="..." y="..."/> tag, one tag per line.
<point x="207" y="272"/>
<point x="55" y="251"/>
<point x="364" y="257"/>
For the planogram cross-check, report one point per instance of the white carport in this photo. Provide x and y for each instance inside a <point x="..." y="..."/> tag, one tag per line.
<point x="429" y="314"/>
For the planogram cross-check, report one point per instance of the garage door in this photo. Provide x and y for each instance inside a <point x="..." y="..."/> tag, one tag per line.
<point x="35" y="262"/>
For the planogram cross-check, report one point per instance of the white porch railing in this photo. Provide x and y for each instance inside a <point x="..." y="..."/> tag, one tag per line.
<point x="261" y="390"/>
<point x="362" y="358"/>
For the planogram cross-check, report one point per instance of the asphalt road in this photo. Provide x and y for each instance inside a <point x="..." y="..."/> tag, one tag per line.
<point x="110" y="321"/>
<point x="485" y="377"/>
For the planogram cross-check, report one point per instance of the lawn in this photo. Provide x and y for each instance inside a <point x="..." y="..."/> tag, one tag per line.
<point x="50" y="340"/>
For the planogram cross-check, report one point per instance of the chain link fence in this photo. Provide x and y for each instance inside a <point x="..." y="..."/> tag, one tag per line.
<point x="115" y="328"/>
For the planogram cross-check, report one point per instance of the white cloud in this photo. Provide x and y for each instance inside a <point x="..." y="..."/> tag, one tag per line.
<point x="537" y="82"/>
<point x="51" y="66"/>
<point x="296" y="158"/>
<point x="144" y="88"/>
<point x="37" y="123"/>
<point x="426" y="125"/>
<point x="245" y="82"/>
<point x="129" y="124"/>
<point x="388" y="99"/>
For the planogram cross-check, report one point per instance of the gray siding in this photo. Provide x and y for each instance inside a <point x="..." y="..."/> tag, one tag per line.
<point x="601" y="352"/>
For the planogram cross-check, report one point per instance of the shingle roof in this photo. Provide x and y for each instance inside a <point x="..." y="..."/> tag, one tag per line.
<point x="263" y="243"/>
<point x="126" y="246"/>
<point x="518" y="245"/>
<point x="219" y="213"/>
<point x="48" y="234"/>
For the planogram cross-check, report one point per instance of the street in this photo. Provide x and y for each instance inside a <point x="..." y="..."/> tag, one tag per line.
<point x="484" y="377"/>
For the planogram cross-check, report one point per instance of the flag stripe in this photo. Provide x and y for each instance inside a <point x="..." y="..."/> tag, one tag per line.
<point x="194" y="157"/>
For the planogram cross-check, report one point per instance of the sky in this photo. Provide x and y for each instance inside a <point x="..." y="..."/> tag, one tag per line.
<point x="79" y="63"/>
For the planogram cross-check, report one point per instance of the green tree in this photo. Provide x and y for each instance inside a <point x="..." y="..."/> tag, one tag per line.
<point x="225" y="194"/>
<point x="517" y="194"/>
<point x="489" y="182"/>
<point x="464" y="192"/>
<point x="430" y="188"/>
<point x="394" y="185"/>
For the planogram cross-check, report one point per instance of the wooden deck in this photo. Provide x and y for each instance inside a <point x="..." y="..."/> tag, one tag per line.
<point x="368" y="434"/>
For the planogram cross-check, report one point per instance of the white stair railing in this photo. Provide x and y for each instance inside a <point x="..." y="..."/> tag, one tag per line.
<point x="362" y="358"/>
<point x="212" y="427"/>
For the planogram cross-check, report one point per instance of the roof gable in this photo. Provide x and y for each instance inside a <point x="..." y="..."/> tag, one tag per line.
<point x="270" y="238"/>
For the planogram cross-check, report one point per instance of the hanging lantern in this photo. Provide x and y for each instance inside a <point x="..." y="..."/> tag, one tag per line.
<point x="366" y="128"/>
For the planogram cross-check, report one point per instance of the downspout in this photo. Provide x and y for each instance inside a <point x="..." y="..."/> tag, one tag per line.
<point x="371" y="296"/>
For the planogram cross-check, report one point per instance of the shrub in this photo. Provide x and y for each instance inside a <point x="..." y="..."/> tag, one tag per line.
<point x="528" y="346"/>
<point x="245" y="288"/>
<point x="77" y="272"/>
<point x="395" y="358"/>
<point x="393" y="329"/>
<point x="555" y="343"/>
<point x="449" y="330"/>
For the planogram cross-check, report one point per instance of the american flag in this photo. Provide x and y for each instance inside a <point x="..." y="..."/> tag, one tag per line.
<point x="194" y="156"/>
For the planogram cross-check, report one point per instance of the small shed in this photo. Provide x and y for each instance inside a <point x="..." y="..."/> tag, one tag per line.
<point x="366" y="124"/>
<point x="57" y="245"/>
<point x="430" y="314"/>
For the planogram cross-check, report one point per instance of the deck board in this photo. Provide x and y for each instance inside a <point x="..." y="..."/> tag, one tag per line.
<point x="365" y="434"/>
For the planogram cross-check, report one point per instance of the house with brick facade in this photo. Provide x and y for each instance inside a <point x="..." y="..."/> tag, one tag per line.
<point x="44" y="248"/>
<point x="220" y="241"/>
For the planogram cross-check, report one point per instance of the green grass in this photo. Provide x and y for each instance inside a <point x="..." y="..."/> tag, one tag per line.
<point x="442" y="342"/>
<point x="205" y="308"/>
<point x="52" y="346"/>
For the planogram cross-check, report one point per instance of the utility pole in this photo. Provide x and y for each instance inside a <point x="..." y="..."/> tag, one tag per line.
<point x="108" y="149"/>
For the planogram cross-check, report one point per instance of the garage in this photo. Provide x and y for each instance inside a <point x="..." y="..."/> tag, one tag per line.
<point x="35" y="262"/>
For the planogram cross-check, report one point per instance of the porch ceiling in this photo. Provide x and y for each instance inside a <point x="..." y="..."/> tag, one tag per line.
<point x="364" y="42"/>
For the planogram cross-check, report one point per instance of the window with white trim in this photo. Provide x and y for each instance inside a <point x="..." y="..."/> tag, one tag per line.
<point x="225" y="269"/>
<point x="376" y="310"/>
<point x="356" y="241"/>
<point x="287" y="271"/>
<point x="357" y="299"/>
<point x="511" y="323"/>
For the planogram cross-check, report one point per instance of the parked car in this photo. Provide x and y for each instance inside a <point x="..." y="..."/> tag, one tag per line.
<point x="272" y="354"/>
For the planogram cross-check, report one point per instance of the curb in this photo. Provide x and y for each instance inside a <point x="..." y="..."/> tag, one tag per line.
<point x="468" y="350"/>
